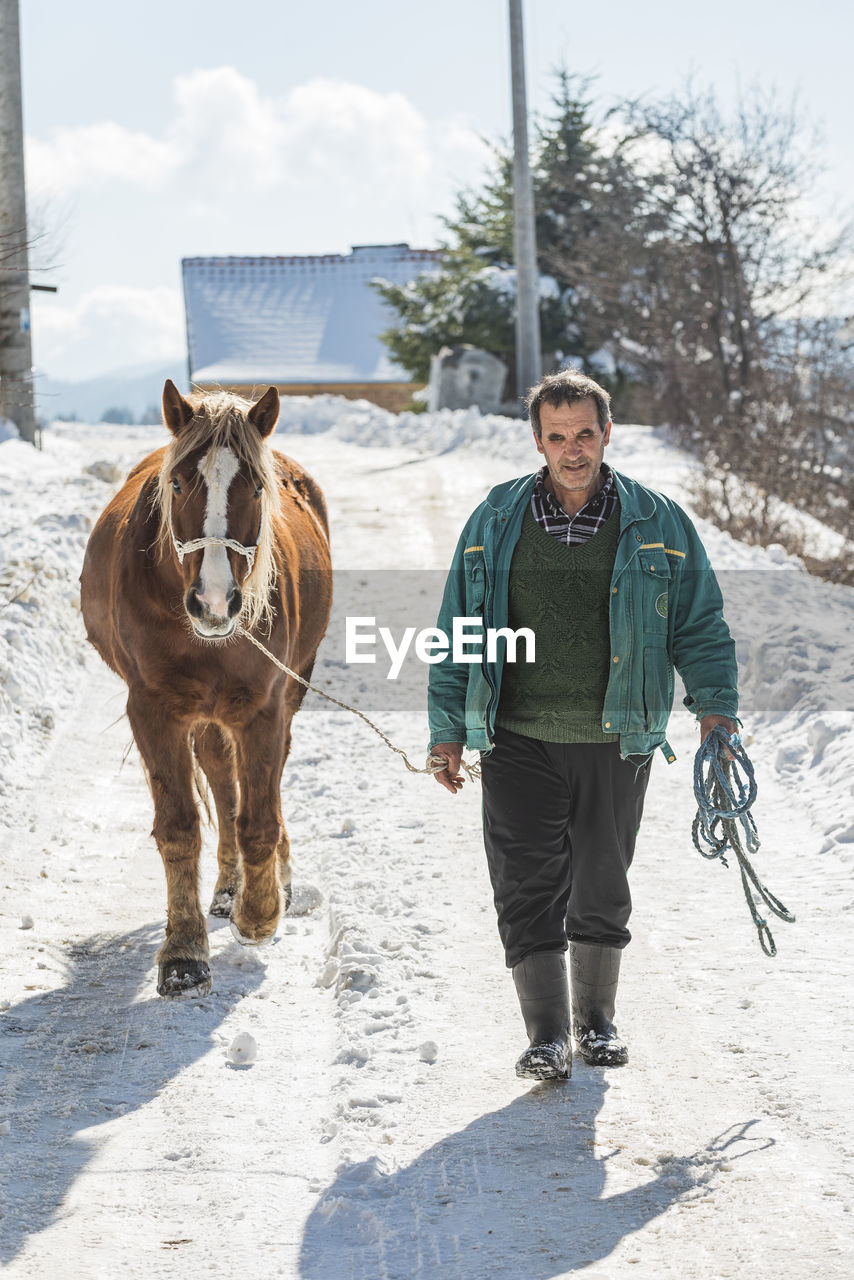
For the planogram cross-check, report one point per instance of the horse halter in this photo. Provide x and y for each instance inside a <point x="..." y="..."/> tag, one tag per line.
<point x="197" y="544"/>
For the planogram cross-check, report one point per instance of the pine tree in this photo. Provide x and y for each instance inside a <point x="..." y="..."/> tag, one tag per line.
<point x="581" y="195"/>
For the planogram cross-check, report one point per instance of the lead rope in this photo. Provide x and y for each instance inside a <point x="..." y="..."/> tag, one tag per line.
<point x="435" y="764"/>
<point x="725" y="790"/>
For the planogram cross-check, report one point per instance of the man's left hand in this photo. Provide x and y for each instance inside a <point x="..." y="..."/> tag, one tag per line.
<point x="708" y="723"/>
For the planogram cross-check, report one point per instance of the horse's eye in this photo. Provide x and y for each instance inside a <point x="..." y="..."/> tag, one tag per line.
<point x="259" y="489"/>
<point x="176" y="485"/>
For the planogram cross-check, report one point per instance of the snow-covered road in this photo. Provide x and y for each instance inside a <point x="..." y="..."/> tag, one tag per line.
<point x="382" y="1132"/>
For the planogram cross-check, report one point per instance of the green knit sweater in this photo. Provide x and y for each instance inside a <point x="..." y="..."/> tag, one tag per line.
<point x="563" y="594"/>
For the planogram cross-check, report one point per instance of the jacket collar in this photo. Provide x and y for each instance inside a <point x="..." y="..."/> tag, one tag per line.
<point x="505" y="497"/>
<point x="636" y="501"/>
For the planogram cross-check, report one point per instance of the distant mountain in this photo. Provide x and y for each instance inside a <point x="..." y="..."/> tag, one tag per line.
<point x="135" y="389"/>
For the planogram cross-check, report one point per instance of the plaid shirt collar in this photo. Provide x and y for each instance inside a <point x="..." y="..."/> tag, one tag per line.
<point x="573" y="530"/>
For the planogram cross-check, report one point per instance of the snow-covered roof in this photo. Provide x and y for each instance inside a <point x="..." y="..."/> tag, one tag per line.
<point x="299" y="319"/>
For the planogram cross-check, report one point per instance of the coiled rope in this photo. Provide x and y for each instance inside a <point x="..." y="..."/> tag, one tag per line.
<point x="725" y="789"/>
<point x="435" y="763"/>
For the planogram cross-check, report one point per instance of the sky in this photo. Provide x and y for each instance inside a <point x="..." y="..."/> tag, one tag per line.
<point x="177" y="128"/>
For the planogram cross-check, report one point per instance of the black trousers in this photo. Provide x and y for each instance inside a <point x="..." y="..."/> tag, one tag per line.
<point x="560" y="821"/>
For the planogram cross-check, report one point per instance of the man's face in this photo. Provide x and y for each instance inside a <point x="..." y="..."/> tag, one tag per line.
<point x="573" y="445"/>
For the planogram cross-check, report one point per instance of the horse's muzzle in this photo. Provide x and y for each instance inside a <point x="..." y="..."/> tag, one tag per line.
<point x="210" y="625"/>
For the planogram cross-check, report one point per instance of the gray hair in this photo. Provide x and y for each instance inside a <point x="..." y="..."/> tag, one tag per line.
<point x="570" y="386"/>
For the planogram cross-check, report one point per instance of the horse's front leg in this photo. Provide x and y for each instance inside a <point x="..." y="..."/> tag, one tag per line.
<point x="261" y="750"/>
<point x="216" y="756"/>
<point x="164" y="745"/>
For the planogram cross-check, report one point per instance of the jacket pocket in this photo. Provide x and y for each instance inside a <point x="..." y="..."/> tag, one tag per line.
<point x="655" y="579"/>
<point x="475" y="571"/>
<point x="657" y="682"/>
<point x="478" y="694"/>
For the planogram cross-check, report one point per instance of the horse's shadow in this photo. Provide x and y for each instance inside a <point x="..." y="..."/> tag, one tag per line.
<point x="520" y="1191"/>
<point x="83" y="1054"/>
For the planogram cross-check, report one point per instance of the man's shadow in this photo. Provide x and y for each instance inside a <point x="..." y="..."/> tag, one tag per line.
<point x="87" y="1052"/>
<point x="520" y="1191"/>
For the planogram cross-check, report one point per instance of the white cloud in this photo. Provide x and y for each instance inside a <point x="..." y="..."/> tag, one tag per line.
<point x="335" y="129"/>
<point x="225" y="129"/>
<point x="224" y="133"/>
<point x="109" y="327"/>
<point x="73" y="158"/>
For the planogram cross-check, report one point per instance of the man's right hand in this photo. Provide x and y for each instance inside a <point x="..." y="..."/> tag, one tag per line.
<point x="450" y="777"/>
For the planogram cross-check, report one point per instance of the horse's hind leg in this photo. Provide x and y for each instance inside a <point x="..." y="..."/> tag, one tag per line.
<point x="261" y="749"/>
<point x="165" y="748"/>
<point x="216" y="756"/>
<point x="283" y="858"/>
<point x="293" y="699"/>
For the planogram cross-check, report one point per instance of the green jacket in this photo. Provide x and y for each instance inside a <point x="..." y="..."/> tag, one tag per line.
<point x="666" y="612"/>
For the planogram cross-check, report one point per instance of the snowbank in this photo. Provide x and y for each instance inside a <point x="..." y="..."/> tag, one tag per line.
<point x="48" y="502"/>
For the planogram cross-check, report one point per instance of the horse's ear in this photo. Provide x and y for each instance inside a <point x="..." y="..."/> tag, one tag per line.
<point x="177" y="411"/>
<point x="265" y="414"/>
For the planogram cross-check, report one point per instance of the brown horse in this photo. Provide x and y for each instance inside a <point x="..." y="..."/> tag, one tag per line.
<point x="211" y="535"/>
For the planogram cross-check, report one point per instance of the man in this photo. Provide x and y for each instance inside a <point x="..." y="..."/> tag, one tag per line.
<point x="614" y="582"/>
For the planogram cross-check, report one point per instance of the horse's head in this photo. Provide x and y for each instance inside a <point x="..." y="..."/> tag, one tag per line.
<point x="215" y="492"/>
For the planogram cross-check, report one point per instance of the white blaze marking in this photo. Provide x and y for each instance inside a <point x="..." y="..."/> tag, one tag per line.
<point x="219" y="467"/>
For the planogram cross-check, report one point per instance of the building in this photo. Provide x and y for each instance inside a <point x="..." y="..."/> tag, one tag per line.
<point x="308" y="325"/>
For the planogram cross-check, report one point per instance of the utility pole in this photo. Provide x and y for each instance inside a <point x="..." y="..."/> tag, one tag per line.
<point x="529" y="359"/>
<point x="16" y="359"/>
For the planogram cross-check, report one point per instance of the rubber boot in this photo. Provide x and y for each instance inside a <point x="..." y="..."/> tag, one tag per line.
<point x="594" y="973"/>
<point x="544" y="999"/>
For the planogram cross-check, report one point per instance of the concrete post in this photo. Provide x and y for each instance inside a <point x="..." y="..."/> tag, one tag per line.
<point x="529" y="360"/>
<point x="16" y="360"/>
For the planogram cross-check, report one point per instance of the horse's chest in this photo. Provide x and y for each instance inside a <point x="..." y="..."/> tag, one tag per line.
<point x="226" y="702"/>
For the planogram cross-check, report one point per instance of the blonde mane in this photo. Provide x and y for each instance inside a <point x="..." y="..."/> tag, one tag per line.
<point x="220" y="422"/>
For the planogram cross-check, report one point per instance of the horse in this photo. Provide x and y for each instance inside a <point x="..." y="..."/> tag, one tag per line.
<point x="212" y="536"/>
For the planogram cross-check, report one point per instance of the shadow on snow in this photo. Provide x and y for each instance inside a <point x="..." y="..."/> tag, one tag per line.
<point x="520" y="1191"/>
<point x="84" y="1054"/>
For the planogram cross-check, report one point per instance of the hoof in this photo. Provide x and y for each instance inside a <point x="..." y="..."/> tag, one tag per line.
<point x="545" y="1062"/>
<point x="251" y="942"/>
<point x="287" y="897"/>
<point x="182" y="979"/>
<point x="222" y="904"/>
